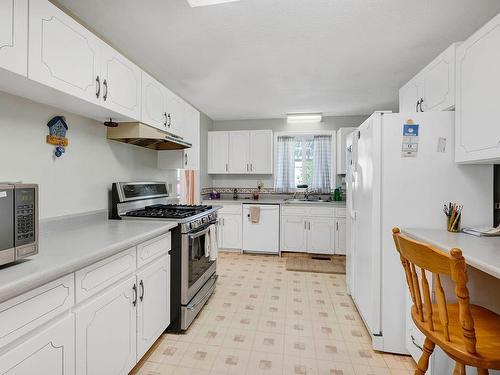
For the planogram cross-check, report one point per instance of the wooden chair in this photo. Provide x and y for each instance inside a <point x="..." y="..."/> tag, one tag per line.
<point x="469" y="334"/>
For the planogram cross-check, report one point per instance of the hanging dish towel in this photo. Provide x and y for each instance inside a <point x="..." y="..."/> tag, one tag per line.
<point x="254" y="214"/>
<point x="212" y="239"/>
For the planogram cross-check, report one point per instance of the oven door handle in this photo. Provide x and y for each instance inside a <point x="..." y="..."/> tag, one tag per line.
<point x="202" y="299"/>
<point x="199" y="234"/>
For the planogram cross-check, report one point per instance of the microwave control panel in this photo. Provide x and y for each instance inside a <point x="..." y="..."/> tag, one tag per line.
<point x="24" y="216"/>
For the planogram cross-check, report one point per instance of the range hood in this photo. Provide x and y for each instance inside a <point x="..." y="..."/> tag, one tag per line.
<point x="139" y="134"/>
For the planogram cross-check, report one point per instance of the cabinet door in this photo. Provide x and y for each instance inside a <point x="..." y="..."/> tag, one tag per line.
<point x="14" y="36"/>
<point x="121" y="85"/>
<point x="62" y="53"/>
<point x="293" y="233"/>
<point x="106" y="332"/>
<point x="321" y="235"/>
<point x="438" y="82"/>
<point x="239" y="152"/>
<point x="51" y="351"/>
<point x="175" y="114"/>
<point x="231" y="232"/>
<point x="192" y="135"/>
<point x="154" y="101"/>
<point x="409" y="95"/>
<point x="478" y="80"/>
<point x="218" y="152"/>
<point x="342" y="135"/>
<point x="340" y="236"/>
<point x="261" y="152"/>
<point x="153" y="311"/>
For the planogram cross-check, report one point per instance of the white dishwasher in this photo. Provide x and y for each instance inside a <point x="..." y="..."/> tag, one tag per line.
<point x="264" y="236"/>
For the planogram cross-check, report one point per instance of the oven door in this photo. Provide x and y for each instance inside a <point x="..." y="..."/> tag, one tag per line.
<point x="196" y="267"/>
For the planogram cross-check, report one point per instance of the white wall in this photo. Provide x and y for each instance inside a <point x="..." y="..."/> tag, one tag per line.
<point x="247" y="181"/>
<point x="79" y="180"/>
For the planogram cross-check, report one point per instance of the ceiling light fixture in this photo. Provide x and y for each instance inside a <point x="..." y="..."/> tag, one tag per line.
<point x="303" y="117"/>
<point x="202" y="3"/>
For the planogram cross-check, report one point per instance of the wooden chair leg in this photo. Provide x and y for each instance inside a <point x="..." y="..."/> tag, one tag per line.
<point x="423" y="362"/>
<point x="482" y="371"/>
<point x="459" y="369"/>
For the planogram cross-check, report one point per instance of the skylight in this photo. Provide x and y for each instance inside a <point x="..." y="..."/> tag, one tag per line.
<point x="202" y="3"/>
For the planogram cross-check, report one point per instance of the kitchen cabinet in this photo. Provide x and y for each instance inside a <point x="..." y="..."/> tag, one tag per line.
<point x="433" y="88"/>
<point x="263" y="236"/>
<point x="293" y="233"/>
<point x="175" y="114"/>
<point x="342" y="134"/>
<point x="340" y="236"/>
<point x="14" y="36"/>
<point x="191" y="157"/>
<point x="153" y="312"/>
<point x="230" y="231"/>
<point x="240" y="152"/>
<point x="154" y="100"/>
<point x="218" y="152"/>
<point x="121" y="83"/>
<point x="321" y="235"/>
<point x="106" y="332"/>
<point x="63" y="54"/>
<point x="261" y="152"/>
<point x="313" y="229"/>
<point x="478" y="78"/>
<point x="51" y="351"/>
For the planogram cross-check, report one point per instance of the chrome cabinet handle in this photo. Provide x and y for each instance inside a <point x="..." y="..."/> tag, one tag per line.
<point x="251" y="167"/>
<point x="166" y="119"/>
<point x="142" y="290"/>
<point x="305" y="225"/>
<point x="169" y="122"/>
<point x="226" y="167"/>
<point x="105" y="95"/>
<point x="134" y="288"/>
<point x="98" y="87"/>
<point x="421" y="101"/>
<point x="185" y="158"/>
<point x="416" y="106"/>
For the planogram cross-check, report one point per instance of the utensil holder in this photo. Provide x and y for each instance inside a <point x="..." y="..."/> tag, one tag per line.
<point x="453" y="224"/>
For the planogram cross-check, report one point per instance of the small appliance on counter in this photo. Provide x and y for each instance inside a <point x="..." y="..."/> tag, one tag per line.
<point x="214" y="195"/>
<point x="18" y="221"/>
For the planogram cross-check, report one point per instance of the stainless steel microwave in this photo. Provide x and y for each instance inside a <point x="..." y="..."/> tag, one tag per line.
<point x="18" y="221"/>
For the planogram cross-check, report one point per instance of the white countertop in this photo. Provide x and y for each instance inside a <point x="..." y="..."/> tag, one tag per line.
<point x="214" y="202"/>
<point x="482" y="253"/>
<point x="71" y="243"/>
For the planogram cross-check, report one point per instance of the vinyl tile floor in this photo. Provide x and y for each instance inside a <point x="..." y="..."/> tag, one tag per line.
<point x="263" y="319"/>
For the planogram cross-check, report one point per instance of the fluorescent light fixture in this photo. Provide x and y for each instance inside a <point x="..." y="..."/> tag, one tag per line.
<point x="303" y="117"/>
<point x="202" y="3"/>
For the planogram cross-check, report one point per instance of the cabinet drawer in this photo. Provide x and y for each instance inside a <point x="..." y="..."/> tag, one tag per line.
<point x="100" y="275"/>
<point x="322" y="211"/>
<point x="235" y="208"/>
<point x="340" y="212"/>
<point x="153" y="249"/>
<point x="294" y="211"/>
<point x="30" y="310"/>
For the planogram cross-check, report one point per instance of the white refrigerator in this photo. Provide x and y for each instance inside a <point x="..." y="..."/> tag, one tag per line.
<point x="402" y="176"/>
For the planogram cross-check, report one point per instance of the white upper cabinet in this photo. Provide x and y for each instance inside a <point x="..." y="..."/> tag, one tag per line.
<point x="239" y="152"/>
<point x="62" y="53"/>
<point x="477" y="108"/>
<point x="218" y="152"/>
<point x="175" y="114"/>
<point x="154" y="101"/>
<point x="433" y="88"/>
<point x="121" y="83"/>
<point x="14" y="36"/>
<point x="342" y="134"/>
<point x="261" y="152"/>
<point x="192" y="135"/>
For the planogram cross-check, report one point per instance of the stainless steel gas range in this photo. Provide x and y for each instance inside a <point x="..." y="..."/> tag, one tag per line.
<point x="193" y="274"/>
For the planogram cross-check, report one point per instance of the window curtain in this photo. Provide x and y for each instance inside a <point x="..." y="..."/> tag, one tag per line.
<point x="322" y="164"/>
<point x="285" y="174"/>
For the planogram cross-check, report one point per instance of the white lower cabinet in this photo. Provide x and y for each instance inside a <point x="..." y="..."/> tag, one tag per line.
<point x="153" y="312"/>
<point x="106" y="332"/>
<point x="293" y="233"/>
<point x="230" y="231"/>
<point x="340" y="236"/>
<point x="321" y="235"/>
<point x="52" y="351"/>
